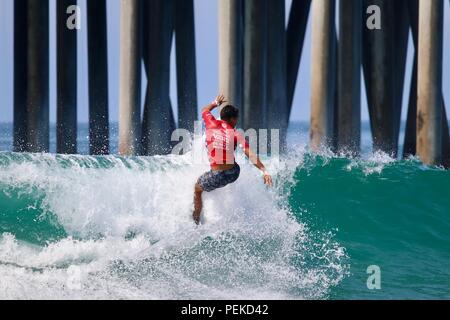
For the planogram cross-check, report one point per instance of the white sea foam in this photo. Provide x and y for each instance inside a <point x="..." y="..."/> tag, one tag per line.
<point x="131" y="235"/>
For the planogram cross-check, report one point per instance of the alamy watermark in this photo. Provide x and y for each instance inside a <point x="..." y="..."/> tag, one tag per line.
<point x="74" y="19"/>
<point x="374" y="20"/>
<point x="374" y="279"/>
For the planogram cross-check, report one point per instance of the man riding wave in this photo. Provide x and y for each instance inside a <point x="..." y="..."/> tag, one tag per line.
<point x="222" y="140"/>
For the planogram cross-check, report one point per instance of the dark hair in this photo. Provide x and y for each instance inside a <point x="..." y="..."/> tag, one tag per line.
<point x="229" y="112"/>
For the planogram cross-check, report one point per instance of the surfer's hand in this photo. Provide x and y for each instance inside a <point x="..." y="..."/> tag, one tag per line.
<point x="268" y="180"/>
<point x="220" y="99"/>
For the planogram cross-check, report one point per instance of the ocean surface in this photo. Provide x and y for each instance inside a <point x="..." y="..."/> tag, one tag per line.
<point x="84" y="227"/>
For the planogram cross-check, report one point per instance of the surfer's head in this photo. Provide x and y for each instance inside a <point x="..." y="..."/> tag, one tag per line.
<point x="230" y="115"/>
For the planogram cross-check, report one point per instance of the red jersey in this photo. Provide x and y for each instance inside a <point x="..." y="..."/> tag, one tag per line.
<point x="221" y="140"/>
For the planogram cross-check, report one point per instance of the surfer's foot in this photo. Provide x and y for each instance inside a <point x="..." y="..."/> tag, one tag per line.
<point x="196" y="217"/>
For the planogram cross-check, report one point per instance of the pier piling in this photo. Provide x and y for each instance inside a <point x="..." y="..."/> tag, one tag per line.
<point x="38" y="76"/>
<point x="379" y="62"/>
<point x="277" y="109"/>
<point x="186" y="63"/>
<point x="348" y="117"/>
<point x="31" y="76"/>
<point x="231" y="50"/>
<point x="323" y="75"/>
<point x="157" y="122"/>
<point x="98" y="77"/>
<point x="66" y="122"/>
<point x="255" y="64"/>
<point x="429" y="82"/>
<point x="20" y="76"/>
<point x="130" y="78"/>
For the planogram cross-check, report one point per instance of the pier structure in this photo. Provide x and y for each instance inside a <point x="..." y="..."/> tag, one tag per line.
<point x="260" y="50"/>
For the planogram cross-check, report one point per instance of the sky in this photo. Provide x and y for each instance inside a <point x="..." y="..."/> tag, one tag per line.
<point x="206" y="13"/>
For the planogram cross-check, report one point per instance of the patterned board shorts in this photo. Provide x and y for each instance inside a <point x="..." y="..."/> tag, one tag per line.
<point x="213" y="180"/>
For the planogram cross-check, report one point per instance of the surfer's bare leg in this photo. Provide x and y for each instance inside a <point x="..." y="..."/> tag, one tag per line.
<point x="198" y="203"/>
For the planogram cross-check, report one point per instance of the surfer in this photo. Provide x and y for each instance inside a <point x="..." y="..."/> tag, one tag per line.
<point x="222" y="139"/>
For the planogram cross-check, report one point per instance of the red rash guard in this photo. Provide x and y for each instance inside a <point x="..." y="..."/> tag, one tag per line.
<point x="221" y="140"/>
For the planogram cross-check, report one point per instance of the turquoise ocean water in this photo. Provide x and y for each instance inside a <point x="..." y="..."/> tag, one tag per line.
<point x="120" y="228"/>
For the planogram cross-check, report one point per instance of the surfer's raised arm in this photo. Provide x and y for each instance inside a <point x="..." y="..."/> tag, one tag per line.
<point x="216" y="103"/>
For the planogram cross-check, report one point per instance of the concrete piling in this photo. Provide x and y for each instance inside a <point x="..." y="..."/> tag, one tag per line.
<point x="429" y="82"/>
<point x="231" y="50"/>
<point x="277" y="109"/>
<point x="38" y="76"/>
<point x="255" y="64"/>
<point x="98" y="77"/>
<point x="157" y="122"/>
<point x="410" y="143"/>
<point x="20" y="76"/>
<point x="323" y="75"/>
<point x="31" y="76"/>
<point x="130" y="78"/>
<point x="348" y="117"/>
<point x="379" y="62"/>
<point x="66" y="122"/>
<point x="186" y="63"/>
